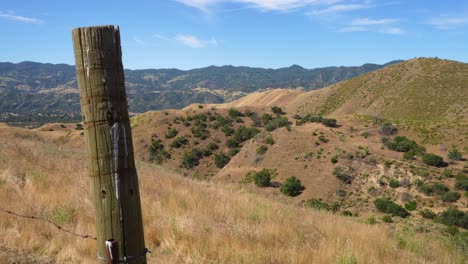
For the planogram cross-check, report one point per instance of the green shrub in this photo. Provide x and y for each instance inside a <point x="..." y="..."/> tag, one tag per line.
<point x="78" y="126"/>
<point x="277" y="110"/>
<point x="199" y="130"/>
<point x="371" y="220"/>
<point x="346" y="178"/>
<point x="447" y="173"/>
<point x="450" y="197"/>
<point x="221" y="160"/>
<point x="461" y="182"/>
<point x="346" y="213"/>
<point x="292" y="186"/>
<point x="227" y="130"/>
<point x="394" y="183"/>
<point x="409" y="155"/>
<point x="387" y="219"/>
<point x="157" y="152"/>
<point x="171" y="133"/>
<point x="411" y="205"/>
<point x="365" y="134"/>
<point x="263" y="178"/>
<point x="269" y="140"/>
<point x="240" y="135"/>
<point x="453" y="217"/>
<point x="191" y="159"/>
<point x="262" y="150"/>
<point x="387" y="129"/>
<point x="234" y="113"/>
<point x="317" y="204"/>
<point x="433" y="188"/>
<point x="428" y="214"/>
<point x="277" y="122"/>
<point x="403" y="144"/>
<point x="329" y="122"/>
<point x="334" y="159"/>
<point x="433" y="160"/>
<point x="387" y="206"/>
<point x="212" y="146"/>
<point x="455" y="154"/>
<point x="233" y="151"/>
<point x="178" y="142"/>
<point x="323" y="139"/>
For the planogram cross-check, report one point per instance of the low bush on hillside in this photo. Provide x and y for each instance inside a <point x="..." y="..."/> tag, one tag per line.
<point x="453" y="217"/>
<point x="260" y="178"/>
<point x="329" y="122"/>
<point x="387" y="219"/>
<point x="78" y="126"/>
<point x="394" y="183"/>
<point x="388" y="129"/>
<point x="269" y="140"/>
<point x="433" y="188"/>
<point x="387" y="206"/>
<point x="277" y="122"/>
<point x="178" y="142"/>
<point x="192" y="159"/>
<point x="455" y="154"/>
<point x="171" y="133"/>
<point x="428" y="214"/>
<point x="157" y="152"/>
<point x="221" y="160"/>
<point x="212" y="146"/>
<point x="346" y="178"/>
<point x="292" y="186"/>
<point x="403" y="144"/>
<point x="277" y="110"/>
<point x="241" y="135"/>
<point x="320" y="205"/>
<point x="461" y="182"/>
<point x="450" y="197"/>
<point x="199" y="129"/>
<point x="234" y="113"/>
<point x="411" y="205"/>
<point x="262" y="150"/>
<point x="433" y="160"/>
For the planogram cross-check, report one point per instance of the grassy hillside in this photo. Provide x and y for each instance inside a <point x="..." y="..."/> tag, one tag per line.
<point x="43" y="172"/>
<point x="426" y="96"/>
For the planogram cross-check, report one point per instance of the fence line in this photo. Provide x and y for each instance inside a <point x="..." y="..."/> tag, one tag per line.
<point x="48" y="221"/>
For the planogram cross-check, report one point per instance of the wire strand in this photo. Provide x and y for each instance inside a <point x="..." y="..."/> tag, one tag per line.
<point x="48" y="221"/>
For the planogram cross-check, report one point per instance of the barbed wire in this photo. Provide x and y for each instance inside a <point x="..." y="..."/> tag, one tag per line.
<point x="48" y="221"/>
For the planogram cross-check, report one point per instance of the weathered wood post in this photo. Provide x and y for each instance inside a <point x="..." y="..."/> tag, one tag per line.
<point x="103" y="100"/>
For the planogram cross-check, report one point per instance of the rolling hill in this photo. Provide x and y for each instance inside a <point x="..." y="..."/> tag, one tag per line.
<point x="37" y="93"/>
<point x="370" y="195"/>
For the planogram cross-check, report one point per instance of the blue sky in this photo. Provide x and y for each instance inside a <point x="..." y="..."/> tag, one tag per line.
<point x="189" y="34"/>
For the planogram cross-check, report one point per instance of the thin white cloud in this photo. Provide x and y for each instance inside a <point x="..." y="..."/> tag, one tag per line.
<point x="13" y="17"/>
<point x="353" y="29"/>
<point x="139" y="41"/>
<point x="265" y="5"/>
<point x="372" y="22"/>
<point x="392" y="31"/>
<point x="161" y="37"/>
<point x="195" y="42"/>
<point x="339" y="8"/>
<point x="448" y="22"/>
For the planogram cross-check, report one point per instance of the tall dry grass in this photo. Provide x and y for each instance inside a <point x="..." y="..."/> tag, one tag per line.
<point x="185" y="221"/>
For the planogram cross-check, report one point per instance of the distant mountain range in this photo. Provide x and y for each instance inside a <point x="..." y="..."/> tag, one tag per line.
<point x="33" y="91"/>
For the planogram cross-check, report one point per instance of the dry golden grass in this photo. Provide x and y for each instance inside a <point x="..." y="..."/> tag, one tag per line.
<point x="186" y="221"/>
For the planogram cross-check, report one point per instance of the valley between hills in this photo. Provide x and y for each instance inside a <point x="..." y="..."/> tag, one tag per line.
<point x="367" y="170"/>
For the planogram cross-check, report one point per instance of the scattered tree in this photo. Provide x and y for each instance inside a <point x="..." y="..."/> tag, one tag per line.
<point x="292" y="186"/>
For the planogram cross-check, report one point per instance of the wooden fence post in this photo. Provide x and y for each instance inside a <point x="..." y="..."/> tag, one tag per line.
<point x="103" y="100"/>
